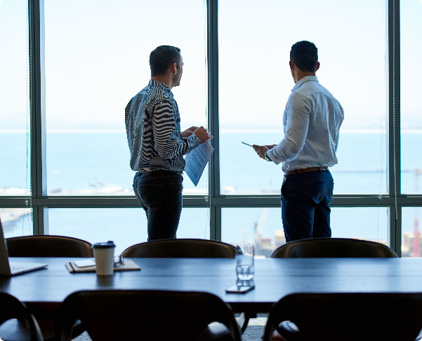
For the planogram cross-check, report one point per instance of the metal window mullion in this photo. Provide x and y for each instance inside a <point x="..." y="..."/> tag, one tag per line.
<point x="213" y="114"/>
<point x="394" y="160"/>
<point x="193" y="201"/>
<point x="36" y="99"/>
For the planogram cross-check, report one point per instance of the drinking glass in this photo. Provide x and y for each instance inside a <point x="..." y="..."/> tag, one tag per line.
<point x="245" y="268"/>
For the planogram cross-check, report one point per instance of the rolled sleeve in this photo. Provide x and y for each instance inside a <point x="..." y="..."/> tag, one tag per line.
<point x="192" y="142"/>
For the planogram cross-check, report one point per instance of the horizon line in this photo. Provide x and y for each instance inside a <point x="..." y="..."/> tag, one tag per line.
<point x="223" y="130"/>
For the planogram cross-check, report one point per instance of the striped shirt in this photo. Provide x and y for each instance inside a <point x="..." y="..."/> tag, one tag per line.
<point x="153" y="130"/>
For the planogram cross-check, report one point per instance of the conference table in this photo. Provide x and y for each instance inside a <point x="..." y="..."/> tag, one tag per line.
<point x="44" y="290"/>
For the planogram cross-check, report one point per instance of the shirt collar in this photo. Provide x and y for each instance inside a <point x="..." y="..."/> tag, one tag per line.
<point x="154" y="82"/>
<point x="304" y="80"/>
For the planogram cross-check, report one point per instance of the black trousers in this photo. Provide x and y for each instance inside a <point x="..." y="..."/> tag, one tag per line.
<point x="305" y="205"/>
<point x="160" y="194"/>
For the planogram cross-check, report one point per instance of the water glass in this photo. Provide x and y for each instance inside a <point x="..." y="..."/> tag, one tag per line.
<point x="245" y="268"/>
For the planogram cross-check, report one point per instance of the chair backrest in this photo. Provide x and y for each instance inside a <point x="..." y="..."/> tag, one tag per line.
<point x="12" y="308"/>
<point x="181" y="248"/>
<point x="48" y="246"/>
<point x="333" y="248"/>
<point x="347" y="316"/>
<point x="144" y="314"/>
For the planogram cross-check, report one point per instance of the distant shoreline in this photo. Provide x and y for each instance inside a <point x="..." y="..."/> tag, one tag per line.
<point x="223" y="130"/>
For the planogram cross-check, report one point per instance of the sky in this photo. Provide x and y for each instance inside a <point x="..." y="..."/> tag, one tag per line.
<point x="96" y="59"/>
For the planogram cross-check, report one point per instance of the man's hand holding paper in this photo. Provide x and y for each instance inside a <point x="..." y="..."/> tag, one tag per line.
<point x="202" y="134"/>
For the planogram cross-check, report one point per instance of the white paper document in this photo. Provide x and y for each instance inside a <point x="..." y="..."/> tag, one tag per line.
<point x="196" y="161"/>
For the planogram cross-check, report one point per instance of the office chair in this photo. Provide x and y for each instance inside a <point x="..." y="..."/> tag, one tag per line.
<point x="332" y="248"/>
<point x="146" y="315"/>
<point x="346" y="316"/>
<point x="48" y="246"/>
<point x="186" y="248"/>
<point x="21" y="325"/>
<point x="180" y="248"/>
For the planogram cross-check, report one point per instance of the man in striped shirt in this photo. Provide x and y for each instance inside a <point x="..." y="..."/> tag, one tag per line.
<point x="157" y="144"/>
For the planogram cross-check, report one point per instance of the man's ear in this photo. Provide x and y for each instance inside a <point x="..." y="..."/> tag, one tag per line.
<point x="173" y="68"/>
<point x="317" y="66"/>
<point x="292" y="65"/>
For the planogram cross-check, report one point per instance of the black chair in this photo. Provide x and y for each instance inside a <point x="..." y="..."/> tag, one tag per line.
<point x="48" y="246"/>
<point x="21" y="324"/>
<point x="146" y="315"/>
<point x="186" y="248"/>
<point x="332" y="248"/>
<point x="180" y="248"/>
<point x="346" y="316"/>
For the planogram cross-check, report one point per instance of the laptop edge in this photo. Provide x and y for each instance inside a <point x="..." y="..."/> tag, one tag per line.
<point x="14" y="268"/>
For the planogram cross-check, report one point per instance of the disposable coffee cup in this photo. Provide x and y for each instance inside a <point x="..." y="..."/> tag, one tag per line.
<point x="104" y="258"/>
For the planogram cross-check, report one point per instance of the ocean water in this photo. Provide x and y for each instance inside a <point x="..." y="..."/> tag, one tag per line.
<point x="97" y="163"/>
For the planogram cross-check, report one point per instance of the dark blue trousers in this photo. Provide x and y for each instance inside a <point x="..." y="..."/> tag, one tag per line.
<point x="160" y="194"/>
<point x="305" y="205"/>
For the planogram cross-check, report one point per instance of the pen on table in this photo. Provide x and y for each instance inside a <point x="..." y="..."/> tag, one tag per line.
<point x="247" y="144"/>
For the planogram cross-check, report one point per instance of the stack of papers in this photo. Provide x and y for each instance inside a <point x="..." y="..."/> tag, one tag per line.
<point x="196" y="161"/>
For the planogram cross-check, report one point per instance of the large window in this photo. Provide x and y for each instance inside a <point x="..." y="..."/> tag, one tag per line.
<point x="92" y="70"/>
<point x="411" y="106"/>
<point x="124" y="226"/>
<point x="255" y="83"/>
<point x="411" y="236"/>
<point x="16" y="221"/>
<point x="411" y="124"/>
<point x="263" y="227"/>
<point x="71" y="68"/>
<point x="14" y="117"/>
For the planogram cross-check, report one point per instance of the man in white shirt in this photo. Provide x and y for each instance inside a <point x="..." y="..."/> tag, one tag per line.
<point x="312" y="120"/>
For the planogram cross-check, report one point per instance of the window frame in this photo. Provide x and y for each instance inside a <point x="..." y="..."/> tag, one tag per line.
<point x="394" y="200"/>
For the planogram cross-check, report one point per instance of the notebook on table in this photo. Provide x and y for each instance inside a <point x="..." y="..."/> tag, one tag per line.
<point x="89" y="266"/>
<point x="14" y="268"/>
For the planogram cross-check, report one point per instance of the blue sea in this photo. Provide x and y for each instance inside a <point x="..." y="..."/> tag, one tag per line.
<point x="97" y="162"/>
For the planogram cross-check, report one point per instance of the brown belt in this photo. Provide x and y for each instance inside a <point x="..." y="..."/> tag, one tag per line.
<point x="306" y="170"/>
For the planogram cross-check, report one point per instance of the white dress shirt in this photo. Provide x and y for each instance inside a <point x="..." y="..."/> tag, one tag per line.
<point x="312" y="121"/>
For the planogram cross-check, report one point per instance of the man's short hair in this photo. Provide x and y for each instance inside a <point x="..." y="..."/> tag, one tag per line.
<point x="305" y="56"/>
<point x="162" y="57"/>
